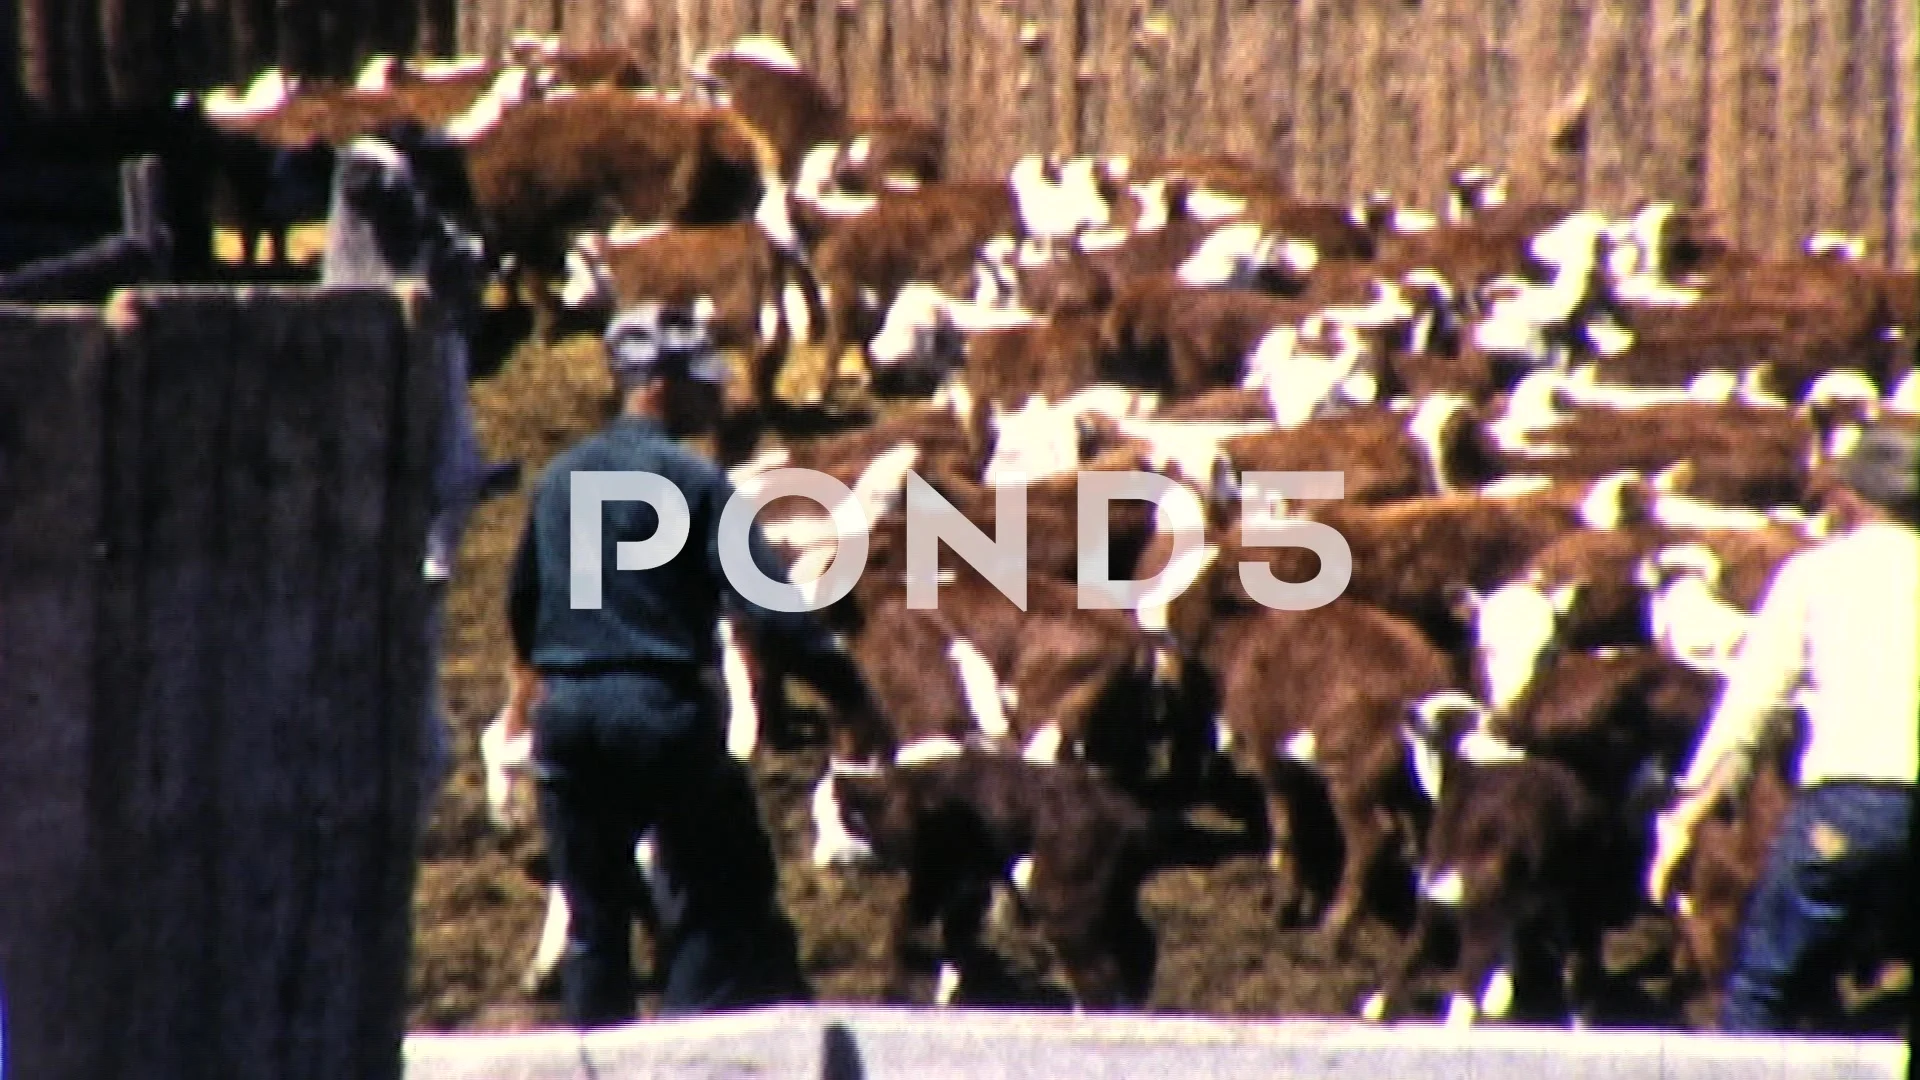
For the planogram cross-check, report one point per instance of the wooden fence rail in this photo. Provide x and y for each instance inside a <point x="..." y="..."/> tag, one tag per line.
<point x="212" y="670"/>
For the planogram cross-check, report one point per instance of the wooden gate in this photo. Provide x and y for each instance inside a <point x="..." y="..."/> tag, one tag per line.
<point x="213" y="506"/>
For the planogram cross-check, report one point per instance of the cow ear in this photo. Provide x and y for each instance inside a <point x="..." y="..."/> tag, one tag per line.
<point x="1674" y="478"/>
<point x="861" y="798"/>
<point x="1637" y="499"/>
<point x="1223" y="492"/>
<point x="1562" y="597"/>
<point x="1646" y="573"/>
<point x="1463" y="601"/>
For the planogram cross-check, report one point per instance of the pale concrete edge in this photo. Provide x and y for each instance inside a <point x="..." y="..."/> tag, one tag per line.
<point x="789" y="1039"/>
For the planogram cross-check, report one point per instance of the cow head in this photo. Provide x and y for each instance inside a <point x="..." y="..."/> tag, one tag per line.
<point x="1436" y="326"/>
<point x="1841" y="405"/>
<point x="1471" y="189"/>
<point x="876" y="819"/>
<point x="919" y="344"/>
<point x="589" y="286"/>
<point x="1225" y="257"/>
<point x="1686" y="617"/>
<point x="1437" y="733"/>
<point x="1515" y="628"/>
<point x="1448" y="433"/>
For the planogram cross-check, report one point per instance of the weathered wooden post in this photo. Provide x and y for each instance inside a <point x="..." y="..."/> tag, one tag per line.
<point x="213" y="506"/>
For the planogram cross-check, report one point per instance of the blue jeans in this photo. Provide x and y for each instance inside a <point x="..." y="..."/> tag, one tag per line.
<point x="1840" y="846"/>
<point x="617" y="755"/>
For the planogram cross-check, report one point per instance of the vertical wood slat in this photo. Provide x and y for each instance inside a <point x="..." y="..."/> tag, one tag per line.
<point x="1060" y="53"/>
<point x="1677" y="94"/>
<point x="81" y="48"/>
<point x="1189" y="90"/>
<point x="39" y="59"/>
<point x="995" y="97"/>
<point x="1258" y="80"/>
<point x="53" y="370"/>
<point x="1396" y="140"/>
<point x="1869" y="147"/>
<point x="997" y="71"/>
<point x="1833" y="200"/>
<point x="1796" y="137"/>
<point x="921" y="63"/>
<point x="870" y="79"/>
<point x="1446" y="83"/>
<point x="1905" y="122"/>
<point x="1033" y="91"/>
<point x="1500" y="27"/>
<point x="1337" y="103"/>
<point x="1310" y="93"/>
<point x="825" y="28"/>
<point x="676" y="51"/>
<point x="1210" y="31"/>
<point x="1113" y="70"/>
<point x="1726" y="115"/>
<point x="1536" y="85"/>
<point x="1546" y="157"/>
<point x="1616" y="136"/>
<point x="1367" y="97"/>
<point x="126" y="56"/>
<point x="963" y="149"/>
<point x="1743" y="120"/>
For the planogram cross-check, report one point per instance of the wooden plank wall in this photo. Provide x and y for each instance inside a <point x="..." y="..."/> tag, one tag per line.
<point x="211" y="677"/>
<point x="1783" y="116"/>
<point x="76" y="55"/>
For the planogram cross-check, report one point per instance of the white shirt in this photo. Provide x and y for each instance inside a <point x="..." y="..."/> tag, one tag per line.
<point x="1844" y="620"/>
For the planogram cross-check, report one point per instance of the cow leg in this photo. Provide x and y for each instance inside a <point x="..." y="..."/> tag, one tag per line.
<point x="1191" y="753"/>
<point x="799" y="273"/>
<point x="769" y="360"/>
<point x="1295" y="807"/>
<point x="1582" y="969"/>
<point x="918" y="910"/>
<point x="542" y="973"/>
<point x="276" y="238"/>
<point x="1134" y="949"/>
<point x="1093" y="971"/>
<point x="1390" y="1001"/>
<point x="844" y="319"/>
<point x="1484" y="983"/>
<point x="249" y="245"/>
<point x="1102" y="942"/>
<point x="537" y="292"/>
<point x="1365" y="829"/>
<point x="1278" y="831"/>
<point x="961" y="918"/>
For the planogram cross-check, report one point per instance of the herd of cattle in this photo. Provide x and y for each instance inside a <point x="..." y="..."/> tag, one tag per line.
<point x="1573" y="449"/>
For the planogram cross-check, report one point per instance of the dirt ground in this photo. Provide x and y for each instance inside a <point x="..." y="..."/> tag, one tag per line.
<point x="479" y="900"/>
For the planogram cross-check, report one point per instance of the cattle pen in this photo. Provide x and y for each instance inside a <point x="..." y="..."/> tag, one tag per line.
<point x="1586" y="304"/>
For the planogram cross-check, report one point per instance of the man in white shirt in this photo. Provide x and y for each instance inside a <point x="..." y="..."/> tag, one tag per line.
<point x="1840" y="623"/>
